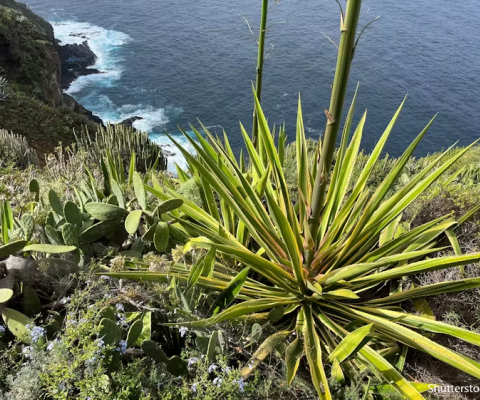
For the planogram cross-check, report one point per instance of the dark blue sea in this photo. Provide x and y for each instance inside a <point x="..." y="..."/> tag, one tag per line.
<point x="172" y="62"/>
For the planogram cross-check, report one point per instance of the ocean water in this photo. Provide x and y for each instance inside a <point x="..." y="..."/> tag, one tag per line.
<point x="173" y="62"/>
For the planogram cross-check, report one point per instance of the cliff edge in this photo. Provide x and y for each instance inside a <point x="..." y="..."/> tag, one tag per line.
<point x="35" y="106"/>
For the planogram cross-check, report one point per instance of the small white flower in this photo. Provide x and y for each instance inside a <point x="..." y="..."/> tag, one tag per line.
<point x="241" y="384"/>
<point x="105" y="277"/>
<point x="36" y="332"/>
<point x="212" y="368"/>
<point x="65" y="300"/>
<point x="251" y="365"/>
<point x="218" y="381"/>
<point x="122" y="347"/>
<point x="27" y="352"/>
<point x="192" y="361"/>
<point x="120" y="307"/>
<point x="194" y="387"/>
<point x="183" y="330"/>
<point x="227" y="370"/>
<point x="2" y="329"/>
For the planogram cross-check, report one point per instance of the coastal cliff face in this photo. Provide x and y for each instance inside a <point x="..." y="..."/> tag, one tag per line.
<point x="30" y="61"/>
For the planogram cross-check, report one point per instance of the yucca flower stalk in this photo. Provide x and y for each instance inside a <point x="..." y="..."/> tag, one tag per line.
<point x="327" y="286"/>
<point x="346" y="52"/>
<point x="259" y="69"/>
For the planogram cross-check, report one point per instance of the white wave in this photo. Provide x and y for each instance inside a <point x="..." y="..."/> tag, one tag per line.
<point x="174" y="155"/>
<point x="103" y="42"/>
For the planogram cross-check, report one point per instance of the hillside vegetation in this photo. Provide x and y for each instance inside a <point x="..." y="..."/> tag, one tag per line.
<point x="35" y="107"/>
<point x="310" y="270"/>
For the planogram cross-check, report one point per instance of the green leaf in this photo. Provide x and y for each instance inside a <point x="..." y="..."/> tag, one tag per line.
<point x="313" y="352"/>
<point x="264" y="351"/>
<point x="150" y="233"/>
<point x="202" y="344"/>
<point x="293" y="354"/>
<point x="146" y="318"/>
<point x="276" y="314"/>
<point x="428" y="290"/>
<point x="105" y="212"/>
<point x="169" y="205"/>
<point x="139" y="189"/>
<point x="69" y="234"/>
<point x="72" y="214"/>
<point x="195" y="272"/>
<point x="34" y="187"/>
<point x="117" y="191"/>
<point x="107" y="312"/>
<point x="161" y="237"/>
<point x="53" y="235"/>
<point x="98" y="231"/>
<point x="16" y="323"/>
<point x="212" y="344"/>
<point x="133" y="221"/>
<point x="55" y="202"/>
<point x="49" y="248"/>
<point x="176" y="366"/>
<point x="230" y="293"/>
<point x="5" y="295"/>
<point x="153" y="350"/>
<point x="134" y="332"/>
<point x="12" y="248"/>
<point x="109" y="332"/>
<point x="350" y="344"/>
<point x="131" y="168"/>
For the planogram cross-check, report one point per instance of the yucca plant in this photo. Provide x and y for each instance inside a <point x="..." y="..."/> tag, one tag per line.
<point x="325" y="269"/>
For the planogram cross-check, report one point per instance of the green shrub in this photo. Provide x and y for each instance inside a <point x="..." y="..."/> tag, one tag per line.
<point x="15" y="149"/>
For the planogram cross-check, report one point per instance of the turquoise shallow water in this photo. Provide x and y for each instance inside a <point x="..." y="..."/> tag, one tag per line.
<point x="172" y="62"/>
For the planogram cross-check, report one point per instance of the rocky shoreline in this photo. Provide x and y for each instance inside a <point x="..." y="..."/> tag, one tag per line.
<point x="75" y="60"/>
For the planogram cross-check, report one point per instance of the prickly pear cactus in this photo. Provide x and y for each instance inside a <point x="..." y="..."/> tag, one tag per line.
<point x="28" y="226"/>
<point x="55" y="202"/>
<point x="105" y="212"/>
<point x="202" y="344"/>
<point x="153" y="350"/>
<point x="53" y="235"/>
<point x="12" y="248"/>
<point x="161" y="236"/>
<point x="109" y="332"/>
<point x="16" y="323"/>
<point x="169" y="205"/>
<point x="107" y="312"/>
<point x="69" y="234"/>
<point x="133" y="221"/>
<point x="5" y="295"/>
<point x="176" y="366"/>
<point x="34" y="188"/>
<point x="134" y="332"/>
<point x="72" y="214"/>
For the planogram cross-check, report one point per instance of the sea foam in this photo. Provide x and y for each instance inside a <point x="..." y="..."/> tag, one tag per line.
<point x="106" y="44"/>
<point x="103" y="42"/>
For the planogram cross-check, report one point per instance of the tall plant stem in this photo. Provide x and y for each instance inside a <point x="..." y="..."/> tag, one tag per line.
<point x="346" y="51"/>
<point x="260" y="61"/>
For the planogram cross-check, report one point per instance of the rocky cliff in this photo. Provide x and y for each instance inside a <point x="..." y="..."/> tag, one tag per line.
<point x="31" y="63"/>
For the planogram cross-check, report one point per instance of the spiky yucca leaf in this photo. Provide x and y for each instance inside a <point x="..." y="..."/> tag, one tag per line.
<point x="341" y="292"/>
<point x="324" y="260"/>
